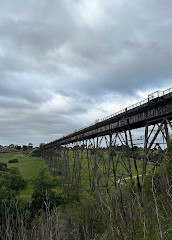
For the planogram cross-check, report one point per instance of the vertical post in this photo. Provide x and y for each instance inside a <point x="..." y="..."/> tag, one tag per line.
<point x="114" y="169"/>
<point x="135" y="163"/>
<point x="80" y="157"/>
<point x="166" y="131"/>
<point x="145" y="150"/>
<point x="134" y="157"/>
<point x="95" y="165"/>
<point x="109" y="161"/>
<point x="88" y="164"/>
<point x="128" y="154"/>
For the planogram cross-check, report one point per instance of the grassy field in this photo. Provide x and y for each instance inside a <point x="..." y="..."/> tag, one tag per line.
<point x="29" y="168"/>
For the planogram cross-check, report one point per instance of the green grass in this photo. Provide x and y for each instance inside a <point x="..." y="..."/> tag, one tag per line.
<point x="28" y="190"/>
<point x="29" y="168"/>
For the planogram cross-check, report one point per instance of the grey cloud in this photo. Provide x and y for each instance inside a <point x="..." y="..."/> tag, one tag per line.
<point x="129" y="47"/>
<point x="79" y="51"/>
<point x="24" y="87"/>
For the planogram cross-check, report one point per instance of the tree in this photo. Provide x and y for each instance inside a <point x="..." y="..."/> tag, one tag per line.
<point x="30" y="145"/>
<point x="11" y="146"/>
<point x="18" y="147"/>
<point x="24" y="147"/>
<point x="43" y="193"/>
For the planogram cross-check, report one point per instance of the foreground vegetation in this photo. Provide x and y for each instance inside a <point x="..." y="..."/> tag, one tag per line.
<point x="124" y="213"/>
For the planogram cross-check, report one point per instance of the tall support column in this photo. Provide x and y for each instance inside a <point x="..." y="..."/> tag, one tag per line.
<point x="88" y="165"/>
<point x="109" y="161"/>
<point x="94" y="158"/>
<point x="75" y="178"/>
<point x="84" y="162"/>
<point x="91" y="162"/>
<point x="134" y="157"/>
<point x="145" y="150"/>
<point x="135" y="163"/>
<point x="128" y="154"/>
<point x="79" y="163"/>
<point x="167" y="137"/>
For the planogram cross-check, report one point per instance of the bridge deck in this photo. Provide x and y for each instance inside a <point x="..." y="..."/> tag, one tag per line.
<point x="153" y="109"/>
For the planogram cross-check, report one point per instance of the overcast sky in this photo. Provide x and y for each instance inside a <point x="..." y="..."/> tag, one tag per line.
<point x="65" y="63"/>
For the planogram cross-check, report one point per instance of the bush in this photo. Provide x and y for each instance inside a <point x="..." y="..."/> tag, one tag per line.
<point x="3" y="166"/>
<point x="25" y="147"/>
<point x="11" y="182"/>
<point x="15" y="160"/>
<point x="36" y="153"/>
<point x="43" y="187"/>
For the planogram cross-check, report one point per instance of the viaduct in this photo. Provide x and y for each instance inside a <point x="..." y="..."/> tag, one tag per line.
<point x="105" y="153"/>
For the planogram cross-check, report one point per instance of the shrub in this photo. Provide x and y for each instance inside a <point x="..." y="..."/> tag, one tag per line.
<point x="3" y="166"/>
<point x="36" y="153"/>
<point x="25" y="147"/>
<point x="11" y="182"/>
<point x="43" y="187"/>
<point x="15" y="160"/>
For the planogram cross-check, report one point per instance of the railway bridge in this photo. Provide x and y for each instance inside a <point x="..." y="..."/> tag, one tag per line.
<point x="101" y="155"/>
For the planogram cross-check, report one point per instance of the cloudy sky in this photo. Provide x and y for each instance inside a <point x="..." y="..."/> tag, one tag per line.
<point x="65" y="63"/>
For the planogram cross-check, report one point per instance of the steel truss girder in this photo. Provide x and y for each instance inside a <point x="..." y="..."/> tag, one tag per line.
<point x="156" y="140"/>
<point x="101" y="163"/>
<point x="92" y="164"/>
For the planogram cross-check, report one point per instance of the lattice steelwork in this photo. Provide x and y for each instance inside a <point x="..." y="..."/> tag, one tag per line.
<point x="103" y="154"/>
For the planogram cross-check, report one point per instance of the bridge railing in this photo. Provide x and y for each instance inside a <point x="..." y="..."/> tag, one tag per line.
<point x="155" y="95"/>
<point x="169" y="90"/>
<point x="159" y="93"/>
<point x="150" y="97"/>
<point x="124" y="110"/>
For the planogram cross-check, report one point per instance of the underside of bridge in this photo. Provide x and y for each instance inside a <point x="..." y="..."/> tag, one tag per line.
<point x="108" y="153"/>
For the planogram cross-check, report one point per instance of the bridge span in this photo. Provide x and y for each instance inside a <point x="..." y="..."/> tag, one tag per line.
<point x="105" y="163"/>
